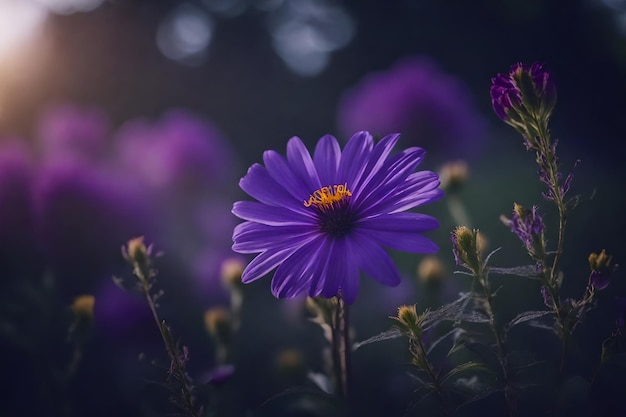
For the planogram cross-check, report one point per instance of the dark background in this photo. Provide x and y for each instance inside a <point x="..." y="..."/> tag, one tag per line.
<point x="108" y="58"/>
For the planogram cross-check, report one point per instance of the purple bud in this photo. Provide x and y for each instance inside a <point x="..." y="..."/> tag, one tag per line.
<point x="602" y="268"/>
<point x="525" y="90"/>
<point x="528" y="226"/>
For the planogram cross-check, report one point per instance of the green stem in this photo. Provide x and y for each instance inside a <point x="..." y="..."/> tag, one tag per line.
<point x="415" y="343"/>
<point x="172" y="351"/>
<point x="341" y="348"/>
<point x="509" y="394"/>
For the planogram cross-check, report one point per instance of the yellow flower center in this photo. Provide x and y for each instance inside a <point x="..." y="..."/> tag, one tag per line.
<point x="327" y="196"/>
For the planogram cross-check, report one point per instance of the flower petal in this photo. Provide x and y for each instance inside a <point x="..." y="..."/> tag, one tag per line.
<point x="406" y="242"/>
<point x="301" y="163"/>
<point x="265" y="262"/>
<point x="251" y="237"/>
<point x="280" y="170"/>
<point x="354" y="158"/>
<point x="337" y="268"/>
<point x="376" y="161"/>
<point x="259" y="184"/>
<point x="270" y="215"/>
<point x="350" y="283"/>
<point x="294" y="275"/>
<point x="327" y="155"/>
<point x="399" y="222"/>
<point x="376" y="262"/>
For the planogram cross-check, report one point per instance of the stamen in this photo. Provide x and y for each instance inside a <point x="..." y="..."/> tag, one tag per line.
<point x="326" y="196"/>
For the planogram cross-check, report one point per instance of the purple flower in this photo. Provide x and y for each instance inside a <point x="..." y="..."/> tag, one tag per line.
<point x="68" y="129"/>
<point x="179" y="153"/>
<point x="418" y="99"/>
<point x="321" y="219"/>
<point x="524" y="91"/>
<point x="83" y="215"/>
<point x="528" y="226"/>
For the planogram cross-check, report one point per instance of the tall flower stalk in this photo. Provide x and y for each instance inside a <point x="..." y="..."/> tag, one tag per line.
<point x="466" y="247"/>
<point x="524" y="98"/>
<point x="140" y="257"/>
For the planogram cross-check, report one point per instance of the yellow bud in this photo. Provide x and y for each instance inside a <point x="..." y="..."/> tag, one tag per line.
<point x="230" y="272"/>
<point x="136" y="250"/>
<point x="430" y="270"/>
<point x="291" y="362"/>
<point x="217" y="322"/>
<point x="453" y="175"/>
<point x="599" y="261"/>
<point x="83" y="306"/>
<point x="407" y="315"/>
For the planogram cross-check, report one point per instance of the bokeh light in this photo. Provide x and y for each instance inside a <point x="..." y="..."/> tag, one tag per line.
<point x="66" y="7"/>
<point x="185" y="34"/>
<point x="20" y="21"/>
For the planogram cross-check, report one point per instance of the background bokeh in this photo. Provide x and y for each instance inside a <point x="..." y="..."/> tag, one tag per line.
<point x="121" y="118"/>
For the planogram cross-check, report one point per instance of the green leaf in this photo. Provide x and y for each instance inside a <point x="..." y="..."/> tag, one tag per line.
<point x="527" y="316"/>
<point x="389" y="334"/>
<point x="524" y="271"/>
<point x="464" y="367"/>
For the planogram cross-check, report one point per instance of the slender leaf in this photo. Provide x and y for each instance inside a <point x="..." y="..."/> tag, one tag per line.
<point x="450" y="311"/>
<point x="527" y="316"/>
<point x="386" y="335"/>
<point x="456" y="331"/>
<point x="464" y="367"/>
<point x="525" y="271"/>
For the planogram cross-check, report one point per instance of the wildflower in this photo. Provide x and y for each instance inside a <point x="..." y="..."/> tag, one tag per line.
<point x="602" y="268"/>
<point x="322" y="219"/>
<point x="524" y="98"/>
<point x="453" y="175"/>
<point x="466" y="248"/>
<point x="528" y="227"/>
<point x="431" y="270"/>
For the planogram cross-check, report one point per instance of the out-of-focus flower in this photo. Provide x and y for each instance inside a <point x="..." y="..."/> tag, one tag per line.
<point x="431" y="270"/>
<point x="453" y="175"/>
<point x="17" y="173"/>
<point x="528" y="227"/>
<point x="523" y="97"/>
<point x="418" y="99"/>
<point x="602" y="267"/>
<point x="219" y="374"/>
<point x="83" y="306"/>
<point x="68" y="129"/>
<point x="217" y="322"/>
<point x="83" y="215"/>
<point x="321" y="219"/>
<point x="179" y="153"/>
<point x="120" y="314"/>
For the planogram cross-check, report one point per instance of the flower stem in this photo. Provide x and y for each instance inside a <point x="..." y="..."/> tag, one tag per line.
<point x="341" y="348"/>
<point x="177" y="367"/>
<point x="509" y="393"/>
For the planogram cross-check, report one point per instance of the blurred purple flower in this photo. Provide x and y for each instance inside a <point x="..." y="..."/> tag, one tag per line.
<point x="84" y="215"/>
<point x="69" y="129"/>
<point x="418" y="99"/>
<point x="322" y="218"/>
<point x="120" y="313"/>
<point x="179" y="153"/>
<point x="16" y="215"/>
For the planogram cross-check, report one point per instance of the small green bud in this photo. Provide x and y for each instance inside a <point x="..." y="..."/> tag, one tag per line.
<point x="466" y="247"/>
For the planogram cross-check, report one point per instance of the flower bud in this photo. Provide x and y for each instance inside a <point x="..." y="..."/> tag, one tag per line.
<point x="453" y="175"/>
<point x="601" y="269"/>
<point x="524" y="97"/>
<point x="431" y="270"/>
<point x="217" y="322"/>
<point x="466" y="248"/>
<point x="528" y="227"/>
<point x="230" y="272"/>
<point x="83" y="306"/>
